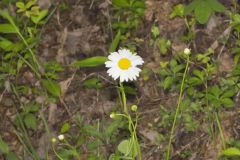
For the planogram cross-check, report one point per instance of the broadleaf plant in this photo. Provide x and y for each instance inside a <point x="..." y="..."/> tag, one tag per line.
<point x="203" y="9"/>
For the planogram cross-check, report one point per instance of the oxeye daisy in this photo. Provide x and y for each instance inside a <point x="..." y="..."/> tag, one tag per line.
<point x="123" y="65"/>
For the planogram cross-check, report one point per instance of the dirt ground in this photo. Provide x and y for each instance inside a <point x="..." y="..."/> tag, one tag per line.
<point x="84" y="30"/>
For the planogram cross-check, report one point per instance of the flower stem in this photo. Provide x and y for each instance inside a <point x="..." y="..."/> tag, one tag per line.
<point x="177" y="111"/>
<point x="132" y="127"/>
<point x="124" y="101"/>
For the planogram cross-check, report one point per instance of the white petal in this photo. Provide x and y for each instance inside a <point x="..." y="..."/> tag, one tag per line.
<point x="114" y="56"/>
<point x="125" y="53"/>
<point x="112" y="72"/>
<point x="137" y="60"/>
<point x="110" y="64"/>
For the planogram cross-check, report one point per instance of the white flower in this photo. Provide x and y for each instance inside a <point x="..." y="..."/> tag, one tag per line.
<point x="187" y="51"/>
<point x="123" y="65"/>
<point x="61" y="137"/>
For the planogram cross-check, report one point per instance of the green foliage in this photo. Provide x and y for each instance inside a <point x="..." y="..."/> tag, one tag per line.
<point x="93" y="83"/>
<point x="90" y="62"/>
<point x="155" y="31"/>
<point x="235" y="23"/>
<point x="170" y="74"/>
<point x="115" y="42"/>
<point x="129" y="13"/>
<point x="3" y="146"/>
<point x="130" y="90"/>
<point x="178" y="10"/>
<point x="229" y="152"/>
<point x="128" y="148"/>
<point x="30" y="121"/>
<point x="29" y="9"/>
<point x="7" y="28"/>
<point x="12" y="156"/>
<point x="52" y="87"/>
<point x="218" y="97"/>
<point x="65" y="127"/>
<point x="52" y="68"/>
<point x="203" y="9"/>
<point x="28" y="116"/>
<point x="162" y="43"/>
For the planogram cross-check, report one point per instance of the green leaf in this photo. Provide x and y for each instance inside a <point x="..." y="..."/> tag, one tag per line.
<point x="6" y="45"/>
<point x="6" y="15"/>
<point x="30" y="121"/>
<point x="130" y="90"/>
<point x="3" y="146"/>
<point x="11" y="156"/>
<point x="178" y="10"/>
<point x="215" y="5"/>
<point x="42" y="14"/>
<point x="92" y="130"/>
<point x="215" y="90"/>
<point x="194" y="81"/>
<point x="121" y="3"/>
<point x="93" y="145"/>
<point x="112" y="127"/>
<point x="65" y="127"/>
<point x="93" y="83"/>
<point x="155" y="31"/>
<point x="167" y="82"/>
<point x="164" y="45"/>
<point x="138" y="4"/>
<point x="228" y="94"/>
<point x="231" y="152"/>
<point x="178" y="68"/>
<point x="199" y="74"/>
<point x="227" y="102"/>
<point x="90" y="62"/>
<point x="52" y="87"/>
<point x="32" y="107"/>
<point x="7" y="28"/>
<point x="115" y="42"/>
<point x="189" y="8"/>
<point x="128" y="148"/>
<point x="202" y="12"/>
<point x="30" y="3"/>
<point x="20" y="5"/>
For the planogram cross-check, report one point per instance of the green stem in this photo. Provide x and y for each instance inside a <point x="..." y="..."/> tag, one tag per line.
<point x="177" y="111"/>
<point x="55" y="152"/>
<point x="220" y="130"/>
<point x="125" y="109"/>
<point x="136" y="139"/>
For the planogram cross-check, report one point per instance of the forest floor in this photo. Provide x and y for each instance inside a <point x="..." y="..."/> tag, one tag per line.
<point x="82" y="29"/>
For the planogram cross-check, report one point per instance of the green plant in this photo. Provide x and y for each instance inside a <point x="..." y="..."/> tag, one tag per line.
<point x="203" y="9"/>
<point x="170" y="73"/>
<point x="218" y="97"/>
<point x="162" y="43"/>
<point x="128" y="14"/>
<point x="28" y="115"/>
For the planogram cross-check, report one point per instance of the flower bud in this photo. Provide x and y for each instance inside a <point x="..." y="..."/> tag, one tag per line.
<point x="112" y="115"/>
<point x="61" y="137"/>
<point x="53" y="140"/>
<point x="187" y="51"/>
<point x="134" y="108"/>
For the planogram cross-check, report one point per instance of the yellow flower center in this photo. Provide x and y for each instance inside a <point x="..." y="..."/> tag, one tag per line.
<point x="124" y="63"/>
